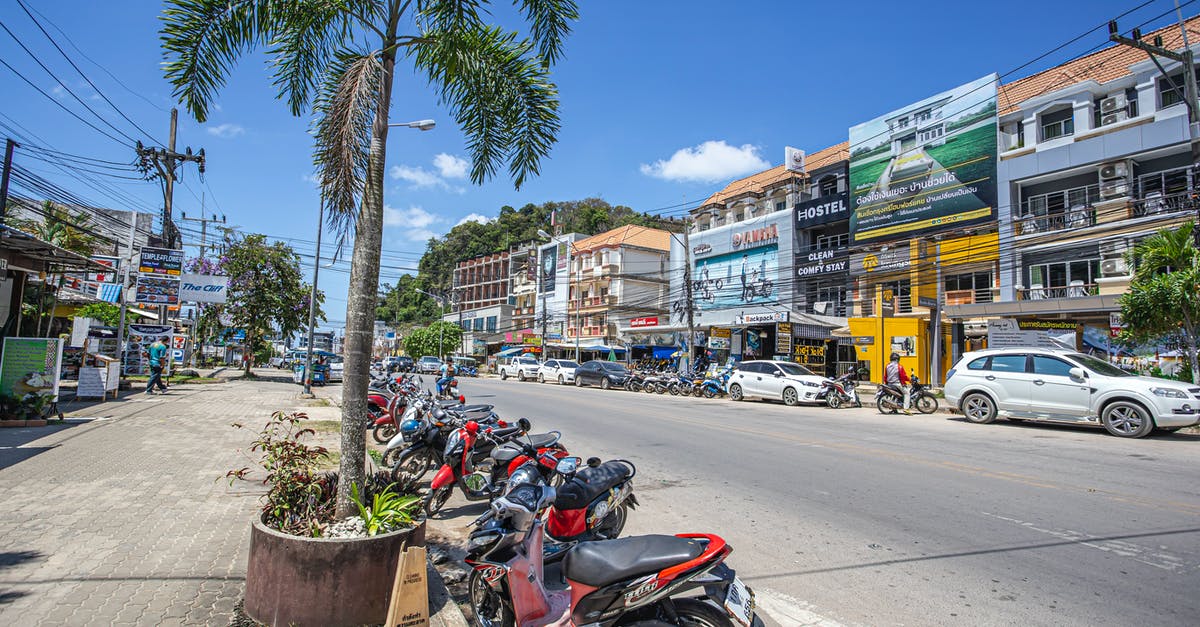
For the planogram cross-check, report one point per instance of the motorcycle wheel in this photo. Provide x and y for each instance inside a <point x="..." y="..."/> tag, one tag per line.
<point x="489" y="605"/>
<point x="390" y="457"/>
<point x="437" y="500"/>
<point x="673" y="388"/>
<point x="384" y="433"/>
<point x="697" y="391"/>
<point x="413" y="468"/>
<point x="648" y="387"/>
<point x="833" y="400"/>
<point x="610" y="528"/>
<point x="886" y="406"/>
<point x="926" y="404"/>
<point x="689" y="613"/>
<point x="708" y="393"/>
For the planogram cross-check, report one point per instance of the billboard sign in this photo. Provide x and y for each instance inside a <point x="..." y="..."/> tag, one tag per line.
<point x="822" y="262"/>
<point x="157" y="290"/>
<point x="30" y="365"/>
<point x="161" y="261"/>
<point x="203" y="288"/>
<point x="927" y="167"/>
<point x="1010" y="333"/>
<point x="549" y="267"/>
<point x="822" y="210"/>
<point x="747" y="277"/>
<point x="105" y="277"/>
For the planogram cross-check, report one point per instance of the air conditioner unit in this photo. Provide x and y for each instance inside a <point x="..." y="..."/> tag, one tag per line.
<point x="1113" y="103"/>
<point x="822" y="307"/>
<point x="1108" y="119"/>
<point x="1113" y="189"/>
<point x="1113" y="267"/>
<point x="1114" y="170"/>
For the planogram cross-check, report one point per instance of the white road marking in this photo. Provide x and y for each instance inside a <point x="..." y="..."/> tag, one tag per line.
<point x="1156" y="557"/>
<point x="789" y="611"/>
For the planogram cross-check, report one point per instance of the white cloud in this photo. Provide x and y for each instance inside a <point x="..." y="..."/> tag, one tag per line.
<point x="311" y="179"/>
<point x="225" y="131"/>
<point x="710" y="162"/>
<point x="58" y="91"/>
<point x="474" y="217"/>
<point x="418" y="176"/>
<point x="414" y="221"/>
<point x="451" y="167"/>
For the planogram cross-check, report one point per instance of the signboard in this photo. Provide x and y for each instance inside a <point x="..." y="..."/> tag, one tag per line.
<point x="811" y="354"/>
<point x="928" y="167"/>
<point x="105" y="277"/>
<point x="718" y="343"/>
<point x="549" y="267"/>
<point x="533" y="340"/>
<point x="702" y="249"/>
<point x="1115" y="324"/>
<point x="750" y="238"/>
<point x="823" y="210"/>
<point x="894" y="260"/>
<point x="720" y="332"/>
<point x="925" y="301"/>
<point x="203" y="288"/>
<point x="864" y="340"/>
<point x="793" y="159"/>
<point x="763" y="318"/>
<point x="141" y="336"/>
<point x="651" y="321"/>
<point x="783" y="338"/>
<point x="737" y="278"/>
<point x="1009" y="333"/>
<point x="161" y="261"/>
<point x="30" y="365"/>
<point x="157" y="290"/>
<point x="821" y="262"/>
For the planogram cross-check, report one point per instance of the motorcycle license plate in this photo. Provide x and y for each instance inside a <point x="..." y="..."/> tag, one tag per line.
<point x="739" y="602"/>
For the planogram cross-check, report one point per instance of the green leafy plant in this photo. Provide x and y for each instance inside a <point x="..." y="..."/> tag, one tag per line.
<point x="9" y="406"/>
<point x="389" y="510"/>
<point x="376" y="456"/>
<point x="33" y="406"/>
<point x="299" y="500"/>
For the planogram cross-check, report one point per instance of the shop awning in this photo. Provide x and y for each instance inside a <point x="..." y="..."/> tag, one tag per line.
<point x="664" y="352"/>
<point x="29" y="249"/>
<point x="509" y="352"/>
<point x="1097" y="304"/>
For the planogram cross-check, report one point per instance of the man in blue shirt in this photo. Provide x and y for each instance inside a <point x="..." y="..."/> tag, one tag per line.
<point x="158" y="356"/>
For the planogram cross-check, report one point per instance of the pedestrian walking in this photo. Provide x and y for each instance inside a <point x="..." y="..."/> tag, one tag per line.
<point x="158" y="356"/>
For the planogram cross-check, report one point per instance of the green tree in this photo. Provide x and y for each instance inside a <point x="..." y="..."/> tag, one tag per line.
<point x="340" y="55"/>
<point x="425" y="340"/>
<point x="266" y="290"/>
<point x="1164" y="296"/>
<point x="107" y="313"/>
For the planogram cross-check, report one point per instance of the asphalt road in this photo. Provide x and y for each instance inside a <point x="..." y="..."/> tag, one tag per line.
<point x="852" y="517"/>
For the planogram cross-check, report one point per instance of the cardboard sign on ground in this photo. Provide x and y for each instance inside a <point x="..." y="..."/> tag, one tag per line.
<point x="409" y="606"/>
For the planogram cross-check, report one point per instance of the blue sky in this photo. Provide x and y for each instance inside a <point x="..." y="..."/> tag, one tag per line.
<point x="663" y="102"/>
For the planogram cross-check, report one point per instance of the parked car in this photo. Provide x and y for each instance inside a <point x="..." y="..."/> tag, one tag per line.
<point x="402" y="363"/>
<point x="522" y="367"/>
<point x="775" y="380"/>
<point x="606" y="374"/>
<point x="1067" y="387"/>
<point x="560" y="370"/>
<point x="429" y="365"/>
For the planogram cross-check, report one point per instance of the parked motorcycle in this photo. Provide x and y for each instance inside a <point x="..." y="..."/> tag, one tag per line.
<point x="717" y="385"/>
<point x="889" y="398"/>
<point x="424" y="428"/>
<point x="841" y="391"/>
<point x="610" y="582"/>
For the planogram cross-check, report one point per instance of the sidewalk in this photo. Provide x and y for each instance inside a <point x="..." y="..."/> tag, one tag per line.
<point x="122" y="515"/>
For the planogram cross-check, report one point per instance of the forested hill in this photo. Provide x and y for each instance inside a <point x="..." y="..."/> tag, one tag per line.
<point x="401" y="304"/>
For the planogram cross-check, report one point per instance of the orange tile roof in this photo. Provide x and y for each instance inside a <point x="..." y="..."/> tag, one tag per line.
<point x="628" y="235"/>
<point x="761" y="181"/>
<point x="1101" y="66"/>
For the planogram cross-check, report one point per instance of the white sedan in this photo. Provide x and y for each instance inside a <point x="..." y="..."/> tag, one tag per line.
<point x="775" y="380"/>
<point x="561" y="371"/>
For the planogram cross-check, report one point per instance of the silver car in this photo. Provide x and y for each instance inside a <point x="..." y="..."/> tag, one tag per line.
<point x="1067" y="387"/>
<point x="775" y="380"/>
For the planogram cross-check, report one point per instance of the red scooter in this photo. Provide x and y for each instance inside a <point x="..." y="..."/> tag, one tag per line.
<point x="635" y="580"/>
<point x="475" y="460"/>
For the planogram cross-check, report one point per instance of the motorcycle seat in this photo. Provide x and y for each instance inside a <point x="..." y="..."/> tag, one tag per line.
<point x="510" y="450"/>
<point x="606" y="562"/>
<point x="589" y="483"/>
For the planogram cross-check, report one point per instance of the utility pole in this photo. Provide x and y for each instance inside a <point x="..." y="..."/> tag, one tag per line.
<point x="126" y="261"/>
<point x="203" y="224"/>
<point x="312" y="303"/>
<point x="164" y="162"/>
<point x="687" y="292"/>
<point x="456" y="300"/>
<point x="9" y="144"/>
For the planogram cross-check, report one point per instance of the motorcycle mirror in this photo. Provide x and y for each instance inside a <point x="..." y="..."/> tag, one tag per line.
<point x="524" y="424"/>
<point x="593" y="462"/>
<point x="462" y="399"/>
<point x="567" y="465"/>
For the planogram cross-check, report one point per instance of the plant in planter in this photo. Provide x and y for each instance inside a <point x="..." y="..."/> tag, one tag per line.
<point x="297" y="552"/>
<point x="34" y="406"/>
<point x="9" y="407"/>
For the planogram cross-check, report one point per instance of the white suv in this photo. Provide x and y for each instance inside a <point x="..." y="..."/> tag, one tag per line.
<point x="1067" y="387"/>
<point x="521" y="367"/>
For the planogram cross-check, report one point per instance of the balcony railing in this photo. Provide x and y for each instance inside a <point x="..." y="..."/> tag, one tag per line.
<point x="1156" y="203"/>
<point x="970" y="297"/>
<point x="1077" y="289"/>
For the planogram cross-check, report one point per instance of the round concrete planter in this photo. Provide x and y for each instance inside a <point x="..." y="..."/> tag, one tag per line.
<point x="291" y="580"/>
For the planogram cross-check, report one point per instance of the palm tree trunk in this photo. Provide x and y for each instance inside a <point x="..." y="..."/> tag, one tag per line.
<point x="364" y="286"/>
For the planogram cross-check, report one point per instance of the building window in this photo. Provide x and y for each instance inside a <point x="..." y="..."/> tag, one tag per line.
<point x="1167" y="96"/>
<point x="491" y="324"/>
<point x="781" y="205"/>
<point x="834" y="240"/>
<point x="902" y="293"/>
<point x="827" y="185"/>
<point x="832" y="292"/>
<point x="1060" y="123"/>
<point x="972" y="287"/>
<point x="477" y="324"/>
<point x="1080" y="274"/>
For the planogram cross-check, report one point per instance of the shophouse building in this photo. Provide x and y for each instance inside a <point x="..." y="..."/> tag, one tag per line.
<point x="617" y="277"/>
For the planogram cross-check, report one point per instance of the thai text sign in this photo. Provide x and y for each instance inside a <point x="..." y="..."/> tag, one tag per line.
<point x="928" y="167"/>
<point x="643" y="322"/>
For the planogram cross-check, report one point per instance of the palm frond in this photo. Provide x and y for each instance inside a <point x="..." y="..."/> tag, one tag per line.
<point x="449" y="15"/>
<point x="202" y="39"/>
<point x="307" y="37"/>
<point x="550" y="22"/>
<point x="501" y="95"/>
<point x="345" y="109"/>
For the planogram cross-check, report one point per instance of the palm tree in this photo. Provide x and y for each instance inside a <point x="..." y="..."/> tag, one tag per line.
<point x="1164" y="295"/>
<point x="340" y="55"/>
<point x="1165" y="251"/>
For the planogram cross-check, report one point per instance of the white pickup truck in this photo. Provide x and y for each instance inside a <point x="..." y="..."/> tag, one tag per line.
<point x="521" y="367"/>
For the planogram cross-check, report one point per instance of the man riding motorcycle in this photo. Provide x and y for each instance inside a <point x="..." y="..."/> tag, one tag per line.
<point x="895" y="374"/>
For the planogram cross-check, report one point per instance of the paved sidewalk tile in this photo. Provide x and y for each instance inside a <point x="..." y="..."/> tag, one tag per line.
<point x="126" y="518"/>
